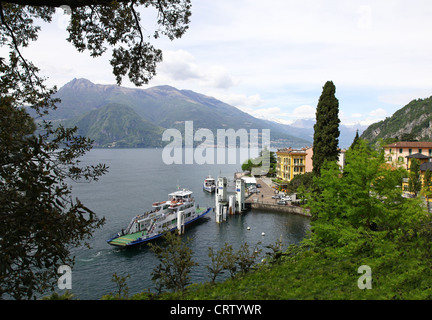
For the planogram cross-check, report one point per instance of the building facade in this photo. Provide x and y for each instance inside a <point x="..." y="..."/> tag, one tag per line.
<point x="397" y="154"/>
<point x="290" y="162"/>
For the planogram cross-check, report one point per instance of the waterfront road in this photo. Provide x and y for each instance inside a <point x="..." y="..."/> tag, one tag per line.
<point x="265" y="192"/>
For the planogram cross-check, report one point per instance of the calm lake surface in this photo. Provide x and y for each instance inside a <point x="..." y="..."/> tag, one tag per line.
<point x="136" y="179"/>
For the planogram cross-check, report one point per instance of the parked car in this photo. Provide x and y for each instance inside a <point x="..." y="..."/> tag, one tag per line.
<point x="286" y="198"/>
<point x="258" y="185"/>
<point x="281" y="202"/>
<point x="276" y="197"/>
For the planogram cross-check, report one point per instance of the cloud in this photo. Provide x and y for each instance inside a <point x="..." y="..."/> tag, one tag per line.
<point x="365" y="17"/>
<point x="304" y="112"/>
<point x="241" y="101"/>
<point x="267" y="112"/>
<point x="219" y="77"/>
<point x="180" y="65"/>
<point x="380" y="113"/>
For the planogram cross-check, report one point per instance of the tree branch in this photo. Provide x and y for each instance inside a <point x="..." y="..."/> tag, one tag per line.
<point x="59" y="3"/>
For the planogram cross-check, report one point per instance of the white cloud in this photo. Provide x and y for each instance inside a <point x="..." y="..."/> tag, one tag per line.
<point x="219" y="77"/>
<point x="304" y="112"/>
<point x="267" y="113"/>
<point x="180" y="65"/>
<point x="379" y="113"/>
<point x="240" y="100"/>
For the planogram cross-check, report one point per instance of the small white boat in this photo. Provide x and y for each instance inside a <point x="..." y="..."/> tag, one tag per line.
<point x="170" y="215"/>
<point x="209" y="184"/>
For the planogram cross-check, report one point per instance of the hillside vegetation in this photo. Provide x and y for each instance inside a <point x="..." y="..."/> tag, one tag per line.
<point x="116" y="125"/>
<point x="414" y="120"/>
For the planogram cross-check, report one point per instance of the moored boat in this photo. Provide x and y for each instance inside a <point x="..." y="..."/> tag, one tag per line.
<point x="209" y="184"/>
<point x="174" y="214"/>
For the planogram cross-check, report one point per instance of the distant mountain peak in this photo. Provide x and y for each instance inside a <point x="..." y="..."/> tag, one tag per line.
<point x="79" y="83"/>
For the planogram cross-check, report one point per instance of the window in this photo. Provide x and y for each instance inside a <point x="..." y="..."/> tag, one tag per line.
<point x="389" y="159"/>
<point x="410" y="151"/>
<point x="430" y="152"/>
<point x="401" y="159"/>
<point x="401" y="150"/>
<point x="420" y="150"/>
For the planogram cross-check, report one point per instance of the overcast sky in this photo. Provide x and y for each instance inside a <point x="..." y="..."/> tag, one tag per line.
<point x="272" y="58"/>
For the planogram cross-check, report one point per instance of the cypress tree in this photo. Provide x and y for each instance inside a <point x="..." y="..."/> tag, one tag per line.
<point x="326" y="128"/>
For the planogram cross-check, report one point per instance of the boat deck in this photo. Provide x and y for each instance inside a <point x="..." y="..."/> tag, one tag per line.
<point x="124" y="240"/>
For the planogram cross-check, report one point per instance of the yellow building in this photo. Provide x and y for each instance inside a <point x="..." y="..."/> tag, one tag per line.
<point x="290" y="163"/>
<point x="425" y="164"/>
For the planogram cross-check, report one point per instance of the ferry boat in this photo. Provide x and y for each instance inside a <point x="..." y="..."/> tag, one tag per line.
<point x="170" y="215"/>
<point x="209" y="184"/>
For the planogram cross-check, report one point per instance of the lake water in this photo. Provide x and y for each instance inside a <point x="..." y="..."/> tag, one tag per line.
<point x="136" y="179"/>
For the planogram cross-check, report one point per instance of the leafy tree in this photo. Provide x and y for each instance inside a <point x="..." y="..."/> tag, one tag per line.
<point x="356" y="209"/>
<point x="176" y="263"/>
<point x="39" y="220"/>
<point x="97" y="25"/>
<point x="356" y="138"/>
<point x="304" y="181"/>
<point x="326" y="128"/>
<point x="122" y="287"/>
<point x="217" y="264"/>
<point x="427" y="186"/>
<point x="414" y="182"/>
<point x="246" y="257"/>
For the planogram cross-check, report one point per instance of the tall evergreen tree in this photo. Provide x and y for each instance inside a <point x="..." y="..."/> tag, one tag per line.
<point x="326" y="128"/>
<point x="355" y="141"/>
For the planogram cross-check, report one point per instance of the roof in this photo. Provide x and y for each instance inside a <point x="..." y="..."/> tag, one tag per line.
<point x="426" y="166"/>
<point x="291" y="151"/>
<point x="181" y="193"/>
<point x="249" y="180"/>
<point x="410" y="144"/>
<point x="418" y="156"/>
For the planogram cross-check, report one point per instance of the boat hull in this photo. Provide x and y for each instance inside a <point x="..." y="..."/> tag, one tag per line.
<point x="209" y="189"/>
<point x="134" y="239"/>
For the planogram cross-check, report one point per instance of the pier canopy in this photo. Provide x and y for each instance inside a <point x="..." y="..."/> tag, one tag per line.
<point x="249" y="181"/>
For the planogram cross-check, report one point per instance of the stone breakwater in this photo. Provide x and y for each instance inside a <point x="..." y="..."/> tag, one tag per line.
<point x="280" y="208"/>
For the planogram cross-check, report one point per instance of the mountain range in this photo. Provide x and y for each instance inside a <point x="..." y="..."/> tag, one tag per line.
<point x="115" y="116"/>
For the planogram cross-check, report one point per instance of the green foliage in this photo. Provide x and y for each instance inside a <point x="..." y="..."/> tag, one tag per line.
<point x="55" y="296"/>
<point x="266" y="159"/>
<point x="118" y="125"/>
<point x="417" y="114"/>
<point x="414" y="182"/>
<point x="301" y="182"/>
<point x="326" y="128"/>
<point x="362" y="203"/>
<point x="216" y="266"/>
<point x="122" y="288"/>
<point x="40" y="221"/>
<point x="176" y="263"/>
